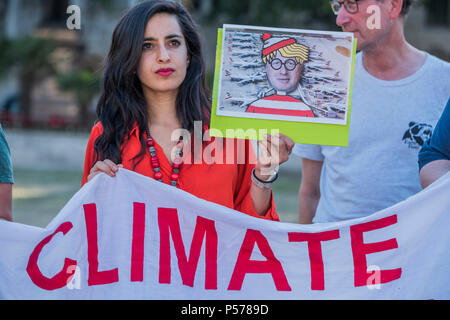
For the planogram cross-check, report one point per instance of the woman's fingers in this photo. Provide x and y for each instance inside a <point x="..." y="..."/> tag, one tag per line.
<point x="268" y="158"/>
<point x="264" y="152"/>
<point x="276" y="148"/>
<point x="286" y="145"/>
<point x="105" y="166"/>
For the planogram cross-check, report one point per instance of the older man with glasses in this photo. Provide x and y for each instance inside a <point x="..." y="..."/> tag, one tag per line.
<point x="398" y="94"/>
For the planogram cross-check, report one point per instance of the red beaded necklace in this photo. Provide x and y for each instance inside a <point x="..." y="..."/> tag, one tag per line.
<point x="176" y="164"/>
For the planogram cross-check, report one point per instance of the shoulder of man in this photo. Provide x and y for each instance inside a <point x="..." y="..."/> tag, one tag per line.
<point x="438" y="71"/>
<point x="438" y="65"/>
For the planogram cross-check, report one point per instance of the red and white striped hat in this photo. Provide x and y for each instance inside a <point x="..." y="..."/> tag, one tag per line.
<point x="287" y="46"/>
<point x="271" y="43"/>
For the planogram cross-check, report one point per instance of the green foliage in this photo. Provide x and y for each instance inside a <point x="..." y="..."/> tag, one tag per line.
<point x="108" y="5"/>
<point x="85" y="84"/>
<point x="272" y="13"/>
<point x="4" y="57"/>
<point x="30" y="54"/>
<point x="31" y="57"/>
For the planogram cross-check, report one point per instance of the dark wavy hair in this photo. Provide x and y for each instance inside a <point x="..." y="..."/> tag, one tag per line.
<point x="122" y="104"/>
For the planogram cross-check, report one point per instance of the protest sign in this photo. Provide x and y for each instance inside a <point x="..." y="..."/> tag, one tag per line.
<point x="131" y="237"/>
<point x="297" y="82"/>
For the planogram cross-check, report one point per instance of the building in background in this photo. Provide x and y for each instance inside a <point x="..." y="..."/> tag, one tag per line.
<point x="77" y="55"/>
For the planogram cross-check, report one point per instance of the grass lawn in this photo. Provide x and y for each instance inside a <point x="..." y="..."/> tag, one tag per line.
<point x="39" y="195"/>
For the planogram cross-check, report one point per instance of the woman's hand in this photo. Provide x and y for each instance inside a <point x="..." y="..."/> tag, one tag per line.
<point x="273" y="151"/>
<point x="106" y="166"/>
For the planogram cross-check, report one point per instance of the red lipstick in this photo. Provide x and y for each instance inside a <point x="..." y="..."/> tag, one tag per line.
<point x="165" y="72"/>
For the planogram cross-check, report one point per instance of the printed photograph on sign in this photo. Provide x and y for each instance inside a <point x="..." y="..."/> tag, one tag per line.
<point x="285" y="74"/>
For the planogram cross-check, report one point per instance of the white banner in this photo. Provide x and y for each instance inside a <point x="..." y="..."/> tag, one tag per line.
<point x="130" y="237"/>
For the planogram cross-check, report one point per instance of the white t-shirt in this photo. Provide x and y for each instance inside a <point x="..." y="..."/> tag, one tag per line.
<point x="389" y="122"/>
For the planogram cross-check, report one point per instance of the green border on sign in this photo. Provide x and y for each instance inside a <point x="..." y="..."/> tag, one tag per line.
<point x="299" y="132"/>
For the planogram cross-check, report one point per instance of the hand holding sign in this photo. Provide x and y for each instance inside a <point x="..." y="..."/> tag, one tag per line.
<point x="273" y="151"/>
<point x="106" y="166"/>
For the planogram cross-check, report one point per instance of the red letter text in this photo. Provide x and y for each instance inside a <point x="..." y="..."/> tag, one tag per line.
<point x="60" y="279"/>
<point x="361" y="249"/>
<point x="204" y="228"/>
<point x="137" y="247"/>
<point x="96" y="277"/>
<point x="244" y="265"/>
<point x="315" y="253"/>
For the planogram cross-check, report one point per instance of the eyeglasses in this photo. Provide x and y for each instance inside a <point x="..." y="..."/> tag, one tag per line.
<point x="351" y="6"/>
<point x="289" y="64"/>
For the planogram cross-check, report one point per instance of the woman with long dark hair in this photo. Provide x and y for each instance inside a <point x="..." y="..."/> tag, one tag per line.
<point x="154" y="85"/>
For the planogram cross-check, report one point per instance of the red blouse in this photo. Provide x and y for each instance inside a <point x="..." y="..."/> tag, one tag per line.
<point x="222" y="176"/>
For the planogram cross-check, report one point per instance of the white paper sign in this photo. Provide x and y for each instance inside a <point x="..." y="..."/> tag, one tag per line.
<point x="131" y="237"/>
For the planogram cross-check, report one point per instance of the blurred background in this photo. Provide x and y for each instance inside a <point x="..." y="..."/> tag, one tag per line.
<point x="50" y="78"/>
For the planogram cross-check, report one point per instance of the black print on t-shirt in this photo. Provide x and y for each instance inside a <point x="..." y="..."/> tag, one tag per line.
<point x="417" y="134"/>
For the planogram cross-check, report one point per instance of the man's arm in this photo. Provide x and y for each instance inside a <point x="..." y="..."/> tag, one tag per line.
<point x="433" y="171"/>
<point x="6" y="201"/>
<point x="309" y="193"/>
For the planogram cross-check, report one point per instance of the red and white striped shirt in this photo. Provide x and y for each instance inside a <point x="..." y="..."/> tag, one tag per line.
<point x="281" y="105"/>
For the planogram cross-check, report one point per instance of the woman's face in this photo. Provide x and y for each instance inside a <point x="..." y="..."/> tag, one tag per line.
<point x="283" y="80"/>
<point x="164" y="60"/>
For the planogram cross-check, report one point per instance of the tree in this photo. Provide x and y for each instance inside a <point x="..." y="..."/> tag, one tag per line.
<point x="280" y="13"/>
<point x="32" y="58"/>
<point x="85" y="84"/>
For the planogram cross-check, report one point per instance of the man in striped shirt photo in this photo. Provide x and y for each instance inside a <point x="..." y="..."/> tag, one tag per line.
<point x="283" y="58"/>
